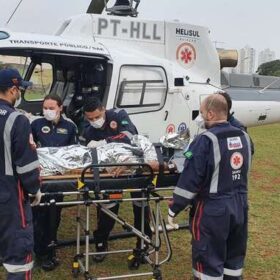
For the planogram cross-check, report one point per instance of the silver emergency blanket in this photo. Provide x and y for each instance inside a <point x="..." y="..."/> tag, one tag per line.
<point x="141" y="150"/>
<point x="178" y="141"/>
<point x="59" y="160"/>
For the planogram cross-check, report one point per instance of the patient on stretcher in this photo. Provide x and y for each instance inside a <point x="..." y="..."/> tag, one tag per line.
<point x="71" y="159"/>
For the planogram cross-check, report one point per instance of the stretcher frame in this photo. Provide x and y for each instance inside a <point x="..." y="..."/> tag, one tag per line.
<point x="89" y="195"/>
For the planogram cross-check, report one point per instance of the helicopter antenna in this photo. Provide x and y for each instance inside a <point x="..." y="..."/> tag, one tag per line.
<point x="269" y="85"/>
<point x="19" y="3"/>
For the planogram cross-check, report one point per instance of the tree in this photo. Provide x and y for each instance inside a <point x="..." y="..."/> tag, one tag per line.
<point x="271" y="68"/>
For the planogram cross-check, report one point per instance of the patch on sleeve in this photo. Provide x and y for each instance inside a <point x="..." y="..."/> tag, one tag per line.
<point x="236" y="160"/>
<point x="124" y="122"/>
<point x="234" y="143"/>
<point x="188" y="154"/>
<point x="113" y="125"/>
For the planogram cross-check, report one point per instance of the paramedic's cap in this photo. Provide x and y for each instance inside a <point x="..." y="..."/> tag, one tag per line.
<point x="11" y="77"/>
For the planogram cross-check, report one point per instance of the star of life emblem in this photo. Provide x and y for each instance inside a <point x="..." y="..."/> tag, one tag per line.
<point x="186" y="55"/>
<point x="236" y="160"/>
<point x="114" y="125"/>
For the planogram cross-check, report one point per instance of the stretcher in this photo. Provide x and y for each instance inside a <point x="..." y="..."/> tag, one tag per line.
<point x="90" y="187"/>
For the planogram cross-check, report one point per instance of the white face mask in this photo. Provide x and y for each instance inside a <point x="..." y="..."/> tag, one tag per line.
<point x="200" y="122"/>
<point x="98" y="123"/>
<point x="18" y="101"/>
<point x="50" y="115"/>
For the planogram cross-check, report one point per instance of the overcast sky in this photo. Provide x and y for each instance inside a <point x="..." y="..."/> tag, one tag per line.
<point x="232" y="23"/>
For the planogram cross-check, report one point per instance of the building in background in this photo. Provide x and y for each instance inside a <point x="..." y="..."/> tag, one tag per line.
<point x="266" y="56"/>
<point x="246" y="61"/>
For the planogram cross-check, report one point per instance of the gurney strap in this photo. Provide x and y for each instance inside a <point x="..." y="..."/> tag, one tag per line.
<point x="96" y="171"/>
<point x="160" y="178"/>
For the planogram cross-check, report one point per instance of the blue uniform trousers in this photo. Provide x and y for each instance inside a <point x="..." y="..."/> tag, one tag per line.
<point x="219" y="231"/>
<point x="44" y="232"/>
<point x="16" y="239"/>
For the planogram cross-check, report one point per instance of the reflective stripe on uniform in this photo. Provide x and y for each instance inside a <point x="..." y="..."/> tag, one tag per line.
<point x="7" y="140"/>
<point x="184" y="193"/>
<point x="203" y="276"/>
<point x="140" y="203"/>
<point x="15" y="268"/>
<point x="217" y="159"/>
<point x="28" y="275"/>
<point x="233" y="272"/>
<point x="249" y="150"/>
<point x="28" y="167"/>
<point x="127" y="133"/>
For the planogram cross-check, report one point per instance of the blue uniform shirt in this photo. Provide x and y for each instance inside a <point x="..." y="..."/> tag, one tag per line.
<point x="236" y="123"/>
<point x="117" y="128"/>
<point x="19" y="166"/>
<point x="217" y="164"/>
<point x="49" y="134"/>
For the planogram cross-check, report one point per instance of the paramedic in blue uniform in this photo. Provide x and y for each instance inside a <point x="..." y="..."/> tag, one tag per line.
<point x="215" y="179"/>
<point x="234" y="121"/>
<point x="230" y="118"/>
<point x="19" y="176"/>
<point x="106" y="126"/>
<point x="53" y="130"/>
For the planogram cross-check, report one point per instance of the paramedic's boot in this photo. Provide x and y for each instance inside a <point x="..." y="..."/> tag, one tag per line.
<point x="50" y="263"/>
<point x="134" y="260"/>
<point x="100" y="247"/>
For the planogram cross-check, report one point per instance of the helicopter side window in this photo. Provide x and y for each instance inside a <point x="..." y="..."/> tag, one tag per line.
<point x="18" y="62"/>
<point x="58" y="85"/>
<point x="142" y="88"/>
<point x="41" y="78"/>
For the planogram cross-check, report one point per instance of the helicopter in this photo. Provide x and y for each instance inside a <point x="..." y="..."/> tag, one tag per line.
<point x="158" y="71"/>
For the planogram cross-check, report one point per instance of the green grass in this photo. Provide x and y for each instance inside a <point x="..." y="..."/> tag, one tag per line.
<point x="263" y="255"/>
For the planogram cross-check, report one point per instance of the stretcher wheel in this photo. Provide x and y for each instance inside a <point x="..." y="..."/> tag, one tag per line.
<point x="157" y="274"/>
<point x="133" y="262"/>
<point x="75" y="270"/>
